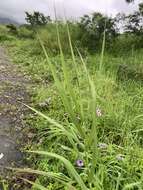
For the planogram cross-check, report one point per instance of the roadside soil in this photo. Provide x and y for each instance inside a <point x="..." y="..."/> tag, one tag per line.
<point x="13" y="96"/>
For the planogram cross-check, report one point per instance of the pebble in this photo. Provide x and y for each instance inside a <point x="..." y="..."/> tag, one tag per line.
<point x="1" y="155"/>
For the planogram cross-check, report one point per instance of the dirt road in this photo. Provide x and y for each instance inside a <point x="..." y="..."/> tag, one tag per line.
<point x="12" y="94"/>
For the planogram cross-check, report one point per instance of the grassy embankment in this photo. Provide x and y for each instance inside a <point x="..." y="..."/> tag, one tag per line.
<point x="88" y="117"/>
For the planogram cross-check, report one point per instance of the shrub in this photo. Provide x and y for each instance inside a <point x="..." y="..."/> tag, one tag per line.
<point x="48" y="36"/>
<point x="24" y="32"/>
<point x="126" y="43"/>
<point x="4" y="37"/>
<point x="12" y="28"/>
<point x="126" y="72"/>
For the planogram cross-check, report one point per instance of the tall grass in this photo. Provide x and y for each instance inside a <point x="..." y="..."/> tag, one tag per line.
<point x="86" y="124"/>
<point x="74" y="129"/>
<point x="4" y="185"/>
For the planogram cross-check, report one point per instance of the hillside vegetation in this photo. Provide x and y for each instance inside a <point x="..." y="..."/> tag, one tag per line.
<point x="86" y="113"/>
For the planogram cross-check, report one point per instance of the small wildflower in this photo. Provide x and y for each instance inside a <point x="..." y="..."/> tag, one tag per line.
<point x="79" y="163"/>
<point x="98" y="112"/>
<point x="120" y="157"/>
<point x="102" y="145"/>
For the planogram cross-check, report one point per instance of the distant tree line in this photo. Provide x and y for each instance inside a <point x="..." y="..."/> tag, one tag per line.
<point x="121" y="30"/>
<point x="127" y="27"/>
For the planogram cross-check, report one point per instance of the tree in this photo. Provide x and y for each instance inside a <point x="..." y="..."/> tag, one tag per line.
<point x="140" y="5"/>
<point x="131" y="30"/>
<point x="92" y="29"/>
<point x="141" y="8"/>
<point x="131" y="23"/>
<point x="37" y="18"/>
<point x="134" y="22"/>
<point x="129" y="1"/>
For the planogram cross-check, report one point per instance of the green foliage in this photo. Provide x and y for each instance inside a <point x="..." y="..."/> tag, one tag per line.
<point x="123" y="33"/>
<point x="90" y="116"/>
<point x="92" y="30"/>
<point x="134" y="23"/>
<point x="37" y="18"/>
<point x="12" y="28"/>
<point x="48" y="36"/>
<point x="131" y="23"/>
<point x="131" y="72"/>
<point x="24" y="32"/>
<point x="86" y="111"/>
<point x="5" y="35"/>
<point x="3" y="184"/>
<point x="126" y="44"/>
<point x="4" y="38"/>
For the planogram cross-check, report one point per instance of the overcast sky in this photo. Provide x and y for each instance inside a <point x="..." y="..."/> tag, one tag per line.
<point x="73" y="8"/>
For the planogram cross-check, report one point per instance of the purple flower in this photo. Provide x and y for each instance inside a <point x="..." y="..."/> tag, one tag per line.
<point x="79" y="163"/>
<point x="98" y="112"/>
<point x="102" y="145"/>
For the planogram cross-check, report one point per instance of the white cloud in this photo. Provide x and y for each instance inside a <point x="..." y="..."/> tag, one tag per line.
<point x="73" y="8"/>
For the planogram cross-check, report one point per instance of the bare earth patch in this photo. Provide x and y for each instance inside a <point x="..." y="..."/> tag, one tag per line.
<point x="13" y="92"/>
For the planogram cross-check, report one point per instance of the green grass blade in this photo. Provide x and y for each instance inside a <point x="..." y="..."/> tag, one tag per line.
<point x="103" y="49"/>
<point x="132" y="186"/>
<point x="56" y="176"/>
<point x="67" y="164"/>
<point x="5" y="186"/>
<point x="67" y="97"/>
<point x="42" y="187"/>
<point x="38" y="186"/>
